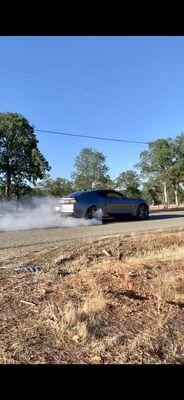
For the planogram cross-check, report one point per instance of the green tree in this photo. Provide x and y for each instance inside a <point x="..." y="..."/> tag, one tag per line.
<point x="61" y="186"/>
<point x="50" y="187"/>
<point x="20" y="159"/>
<point x="152" y="191"/>
<point x="129" y="183"/>
<point x="91" y="171"/>
<point x="156" y="161"/>
<point x="164" y="160"/>
<point x="176" y="170"/>
<point x="2" y="188"/>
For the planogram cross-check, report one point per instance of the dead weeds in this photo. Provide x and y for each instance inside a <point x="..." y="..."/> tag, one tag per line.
<point x="111" y="301"/>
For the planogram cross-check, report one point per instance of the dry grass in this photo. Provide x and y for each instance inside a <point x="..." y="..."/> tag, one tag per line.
<point x="90" y="308"/>
<point x="169" y="207"/>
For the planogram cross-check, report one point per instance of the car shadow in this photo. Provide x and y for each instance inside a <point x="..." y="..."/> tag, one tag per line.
<point x="151" y="217"/>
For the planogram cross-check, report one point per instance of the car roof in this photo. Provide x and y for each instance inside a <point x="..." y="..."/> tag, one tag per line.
<point x="97" y="191"/>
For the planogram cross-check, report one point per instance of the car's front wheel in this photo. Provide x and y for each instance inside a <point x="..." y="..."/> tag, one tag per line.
<point x="142" y="212"/>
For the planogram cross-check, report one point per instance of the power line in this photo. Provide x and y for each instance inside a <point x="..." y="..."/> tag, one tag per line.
<point x="62" y="90"/>
<point x="90" y="137"/>
<point x="56" y="80"/>
<point x="69" y="85"/>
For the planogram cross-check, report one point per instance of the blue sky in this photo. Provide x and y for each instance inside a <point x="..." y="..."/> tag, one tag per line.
<point x="123" y="87"/>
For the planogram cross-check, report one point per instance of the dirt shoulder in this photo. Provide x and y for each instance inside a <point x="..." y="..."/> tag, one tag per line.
<point x="156" y="209"/>
<point x="113" y="300"/>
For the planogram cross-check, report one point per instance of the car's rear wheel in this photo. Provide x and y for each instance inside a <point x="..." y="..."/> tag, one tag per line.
<point x="142" y="212"/>
<point x="91" y="212"/>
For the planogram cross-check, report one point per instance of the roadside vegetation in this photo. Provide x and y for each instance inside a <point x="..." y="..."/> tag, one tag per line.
<point x="24" y="171"/>
<point x="110" y="301"/>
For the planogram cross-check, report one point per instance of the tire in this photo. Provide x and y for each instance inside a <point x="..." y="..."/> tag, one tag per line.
<point x="91" y="212"/>
<point x="142" y="212"/>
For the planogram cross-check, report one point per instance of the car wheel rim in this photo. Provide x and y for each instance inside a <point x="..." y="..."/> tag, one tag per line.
<point x="142" y="212"/>
<point x="91" y="213"/>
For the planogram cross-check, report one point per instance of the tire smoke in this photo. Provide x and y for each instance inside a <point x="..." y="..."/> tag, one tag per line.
<point x="36" y="213"/>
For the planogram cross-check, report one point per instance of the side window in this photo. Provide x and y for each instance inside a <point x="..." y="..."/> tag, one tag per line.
<point x="114" y="195"/>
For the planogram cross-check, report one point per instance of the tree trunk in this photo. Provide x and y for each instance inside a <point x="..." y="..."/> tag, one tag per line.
<point x="176" y="197"/>
<point x="165" y="195"/>
<point x="8" y="185"/>
<point x="18" y="193"/>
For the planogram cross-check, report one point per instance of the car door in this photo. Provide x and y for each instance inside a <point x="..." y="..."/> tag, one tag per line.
<point x="117" y="204"/>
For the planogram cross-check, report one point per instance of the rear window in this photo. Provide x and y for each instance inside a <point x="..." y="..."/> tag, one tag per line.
<point x="115" y="195"/>
<point x="83" y="193"/>
<point x="75" y="194"/>
<point x="101" y="193"/>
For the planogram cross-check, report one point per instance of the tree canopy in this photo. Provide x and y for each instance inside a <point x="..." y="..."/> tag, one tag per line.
<point x="20" y="159"/>
<point x="152" y="191"/>
<point x="129" y="183"/>
<point x="23" y="168"/>
<point x="53" y="187"/>
<point x="91" y="171"/>
<point x="164" y="160"/>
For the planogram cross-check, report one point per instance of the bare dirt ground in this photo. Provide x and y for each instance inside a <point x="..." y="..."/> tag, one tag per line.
<point x="107" y="300"/>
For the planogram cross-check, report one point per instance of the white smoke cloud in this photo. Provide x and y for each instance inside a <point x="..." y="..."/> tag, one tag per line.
<point x="37" y="213"/>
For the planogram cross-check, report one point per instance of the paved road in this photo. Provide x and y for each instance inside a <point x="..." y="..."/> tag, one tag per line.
<point x="162" y="220"/>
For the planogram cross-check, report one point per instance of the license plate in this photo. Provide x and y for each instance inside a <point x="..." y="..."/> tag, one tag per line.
<point x="67" y="208"/>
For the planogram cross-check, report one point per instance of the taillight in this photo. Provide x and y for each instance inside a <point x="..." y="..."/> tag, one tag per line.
<point x="69" y="201"/>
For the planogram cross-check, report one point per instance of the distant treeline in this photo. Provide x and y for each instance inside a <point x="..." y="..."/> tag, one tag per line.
<point x="24" y="171"/>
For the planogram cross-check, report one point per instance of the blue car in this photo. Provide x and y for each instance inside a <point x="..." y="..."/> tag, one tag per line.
<point x="102" y="204"/>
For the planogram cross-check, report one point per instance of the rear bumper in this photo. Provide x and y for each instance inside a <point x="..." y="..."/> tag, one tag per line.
<point x="69" y="211"/>
<point x="65" y="214"/>
<point x="65" y="210"/>
<point x="62" y="214"/>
